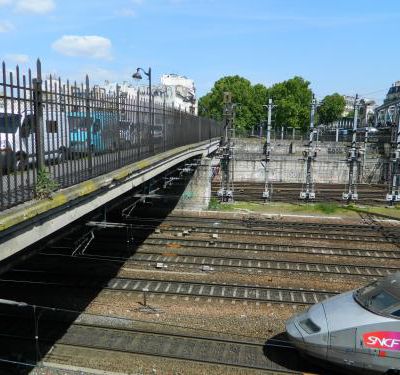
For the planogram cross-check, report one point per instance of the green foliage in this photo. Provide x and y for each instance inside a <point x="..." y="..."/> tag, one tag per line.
<point x="249" y="100"/>
<point x="331" y="108"/>
<point x="326" y="208"/>
<point x="45" y="185"/>
<point x="292" y="99"/>
<point x="213" y="204"/>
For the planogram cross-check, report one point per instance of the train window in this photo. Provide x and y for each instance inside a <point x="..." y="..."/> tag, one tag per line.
<point x="381" y="301"/>
<point x="364" y="291"/>
<point x="77" y="123"/>
<point x="396" y="313"/>
<point x="309" y="326"/>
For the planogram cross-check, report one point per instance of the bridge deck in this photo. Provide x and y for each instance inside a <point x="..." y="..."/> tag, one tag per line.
<point x="27" y="223"/>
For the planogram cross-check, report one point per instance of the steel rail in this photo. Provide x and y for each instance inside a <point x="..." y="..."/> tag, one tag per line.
<point x="295" y="249"/>
<point x="270" y="264"/>
<point x="194" y="289"/>
<point x="286" y="233"/>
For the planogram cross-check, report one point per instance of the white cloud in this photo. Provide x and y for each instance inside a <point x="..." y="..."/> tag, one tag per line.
<point x="100" y="75"/>
<point x="35" y="6"/>
<point x="6" y="26"/>
<point x="4" y="2"/>
<point x="86" y="46"/>
<point x="18" y="58"/>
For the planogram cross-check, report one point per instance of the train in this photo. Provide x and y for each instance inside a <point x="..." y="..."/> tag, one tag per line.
<point x="353" y="332"/>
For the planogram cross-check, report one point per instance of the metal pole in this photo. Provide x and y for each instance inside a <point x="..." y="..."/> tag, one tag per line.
<point x="353" y="158"/>
<point x="394" y="195"/>
<point x="366" y="136"/>
<point x="267" y="151"/>
<point x="118" y="126"/>
<point x="139" y="127"/>
<point x="36" y="324"/>
<point x="310" y="155"/>
<point x="165" y="124"/>
<point x="39" y="127"/>
<point x="88" y="127"/>
<point x="151" y="115"/>
<point x="225" y="193"/>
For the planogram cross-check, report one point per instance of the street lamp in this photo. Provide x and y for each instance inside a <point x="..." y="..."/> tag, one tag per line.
<point x="138" y="76"/>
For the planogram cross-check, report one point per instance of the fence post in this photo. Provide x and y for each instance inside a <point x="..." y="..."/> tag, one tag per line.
<point x="164" y="133"/>
<point x="139" y="140"/>
<point x="38" y="110"/>
<point x="88" y="127"/>
<point x="118" y="126"/>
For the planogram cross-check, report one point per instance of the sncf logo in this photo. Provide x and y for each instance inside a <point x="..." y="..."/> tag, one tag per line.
<point x="382" y="340"/>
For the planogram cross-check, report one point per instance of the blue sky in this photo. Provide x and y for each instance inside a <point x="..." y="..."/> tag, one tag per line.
<point x="346" y="46"/>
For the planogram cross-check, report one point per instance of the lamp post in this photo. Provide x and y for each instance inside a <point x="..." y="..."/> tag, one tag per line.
<point x="138" y="76"/>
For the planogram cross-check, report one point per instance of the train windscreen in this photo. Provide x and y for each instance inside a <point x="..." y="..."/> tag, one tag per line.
<point x="380" y="297"/>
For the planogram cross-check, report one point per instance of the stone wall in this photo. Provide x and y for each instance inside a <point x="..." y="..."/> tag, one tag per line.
<point x="287" y="164"/>
<point x="198" y="192"/>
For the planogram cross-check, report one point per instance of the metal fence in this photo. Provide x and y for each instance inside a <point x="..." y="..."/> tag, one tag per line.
<point x="76" y="132"/>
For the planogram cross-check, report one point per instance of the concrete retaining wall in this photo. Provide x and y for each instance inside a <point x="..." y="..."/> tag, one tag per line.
<point x="198" y="192"/>
<point x="287" y="164"/>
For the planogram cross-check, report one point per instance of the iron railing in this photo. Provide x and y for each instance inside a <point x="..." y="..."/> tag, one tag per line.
<point x="72" y="133"/>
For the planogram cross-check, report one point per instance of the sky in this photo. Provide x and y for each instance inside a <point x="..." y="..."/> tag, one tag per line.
<point x="345" y="46"/>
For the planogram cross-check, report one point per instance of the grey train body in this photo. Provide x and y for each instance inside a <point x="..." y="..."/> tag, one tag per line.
<point x="357" y="331"/>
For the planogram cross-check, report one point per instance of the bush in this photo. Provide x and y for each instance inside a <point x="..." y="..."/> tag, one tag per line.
<point x="45" y="185"/>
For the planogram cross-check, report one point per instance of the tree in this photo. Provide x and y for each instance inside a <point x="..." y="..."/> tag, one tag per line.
<point x="331" y="108"/>
<point x="249" y="100"/>
<point x="292" y="99"/>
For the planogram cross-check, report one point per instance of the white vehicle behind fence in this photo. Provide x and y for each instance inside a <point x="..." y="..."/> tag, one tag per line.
<point x="18" y="139"/>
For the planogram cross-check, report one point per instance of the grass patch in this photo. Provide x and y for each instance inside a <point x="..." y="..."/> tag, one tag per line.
<point x="325" y="208"/>
<point x="317" y="209"/>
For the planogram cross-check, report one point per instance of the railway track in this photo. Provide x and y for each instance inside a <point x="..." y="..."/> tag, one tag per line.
<point x="193" y="349"/>
<point x="251" y="246"/>
<point x="254" y="247"/>
<point x="185" y="288"/>
<point x="259" y="224"/>
<point x="364" y="237"/>
<point x="372" y="194"/>
<point x="118" y="335"/>
<point x="221" y="263"/>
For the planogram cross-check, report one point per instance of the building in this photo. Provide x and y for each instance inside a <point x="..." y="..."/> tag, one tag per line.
<point x="366" y="109"/>
<point x="174" y="91"/>
<point x="393" y="93"/>
<point x="349" y="107"/>
<point x="182" y="92"/>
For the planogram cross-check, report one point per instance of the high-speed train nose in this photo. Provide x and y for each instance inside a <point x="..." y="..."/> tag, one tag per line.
<point x="293" y="332"/>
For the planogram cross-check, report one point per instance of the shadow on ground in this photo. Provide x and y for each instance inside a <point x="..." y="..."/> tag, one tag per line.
<point x="64" y="284"/>
<point x="290" y="358"/>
